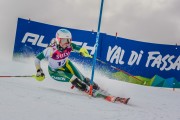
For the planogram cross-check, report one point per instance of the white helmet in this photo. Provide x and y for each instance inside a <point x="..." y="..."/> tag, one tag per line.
<point x="63" y="36"/>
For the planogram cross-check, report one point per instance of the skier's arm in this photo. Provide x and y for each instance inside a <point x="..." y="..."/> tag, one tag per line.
<point x="40" y="75"/>
<point x="75" y="47"/>
<point x="81" y="50"/>
<point x="44" y="54"/>
<point x="38" y="59"/>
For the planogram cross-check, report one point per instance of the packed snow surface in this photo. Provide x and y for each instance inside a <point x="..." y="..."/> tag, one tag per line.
<point x="27" y="99"/>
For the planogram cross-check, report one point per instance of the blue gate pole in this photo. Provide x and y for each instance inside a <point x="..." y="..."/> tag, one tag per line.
<point x="96" y="48"/>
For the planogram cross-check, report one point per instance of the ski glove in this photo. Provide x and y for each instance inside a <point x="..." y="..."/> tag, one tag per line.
<point x="40" y="75"/>
<point x="84" y="52"/>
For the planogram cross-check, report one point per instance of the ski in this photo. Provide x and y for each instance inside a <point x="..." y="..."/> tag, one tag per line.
<point x="122" y="100"/>
<point x="100" y="93"/>
<point x="114" y="99"/>
<point x="108" y="97"/>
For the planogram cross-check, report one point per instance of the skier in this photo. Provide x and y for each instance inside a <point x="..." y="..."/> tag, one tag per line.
<point x="60" y="68"/>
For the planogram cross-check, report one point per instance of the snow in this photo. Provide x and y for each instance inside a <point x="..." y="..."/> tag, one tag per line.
<point x="28" y="99"/>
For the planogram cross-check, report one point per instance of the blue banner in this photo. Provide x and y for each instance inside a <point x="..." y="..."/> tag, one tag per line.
<point x="139" y="58"/>
<point x="135" y="58"/>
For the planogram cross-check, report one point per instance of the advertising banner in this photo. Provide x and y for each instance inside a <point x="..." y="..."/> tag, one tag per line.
<point x="129" y="60"/>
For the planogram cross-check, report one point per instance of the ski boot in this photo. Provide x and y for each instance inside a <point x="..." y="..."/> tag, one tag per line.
<point x="95" y="85"/>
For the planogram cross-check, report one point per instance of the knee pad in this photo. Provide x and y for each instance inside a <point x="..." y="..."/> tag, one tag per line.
<point x="78" y="84"/>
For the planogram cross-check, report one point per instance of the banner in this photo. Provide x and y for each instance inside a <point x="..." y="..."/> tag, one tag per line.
<point x="133" y="60"/>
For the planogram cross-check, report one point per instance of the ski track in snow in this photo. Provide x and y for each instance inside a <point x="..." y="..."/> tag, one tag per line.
<point x="28" y="99"/>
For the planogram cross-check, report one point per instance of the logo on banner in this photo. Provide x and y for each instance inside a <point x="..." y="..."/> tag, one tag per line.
<point x="154" y="59"/>
<point x="35" y="39"/>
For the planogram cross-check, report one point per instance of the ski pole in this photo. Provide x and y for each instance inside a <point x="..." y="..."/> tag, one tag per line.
<point x="17" y="76"/>
<point x="40" y="78"/>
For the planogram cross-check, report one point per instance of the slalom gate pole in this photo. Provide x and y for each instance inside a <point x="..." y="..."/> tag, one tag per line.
<point x="96" y="47"/>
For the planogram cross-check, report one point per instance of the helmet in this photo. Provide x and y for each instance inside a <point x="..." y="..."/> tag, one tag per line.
<point x="63" y="36"/>
<point x="63" y="33"/>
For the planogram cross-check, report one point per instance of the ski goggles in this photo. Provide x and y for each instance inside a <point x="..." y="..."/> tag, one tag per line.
<point x="64" y="40"/>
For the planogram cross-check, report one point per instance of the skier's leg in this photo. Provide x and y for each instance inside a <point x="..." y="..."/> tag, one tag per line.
<point x="95" y="85"/>
<point x="60" y="75"/>
<point x="72" y="69"/>
<point x="64" y="76"/>
<point x="79" y="84"/>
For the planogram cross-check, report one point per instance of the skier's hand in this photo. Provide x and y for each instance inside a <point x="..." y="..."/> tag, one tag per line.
<point x="40" y="75"/>
<point x="84" y="52"/>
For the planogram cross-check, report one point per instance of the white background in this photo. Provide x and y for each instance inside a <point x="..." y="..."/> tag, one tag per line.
<point x="154" y="21"/>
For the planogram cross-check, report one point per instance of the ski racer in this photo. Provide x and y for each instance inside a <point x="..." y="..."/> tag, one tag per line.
<point x="60" y="68"/>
